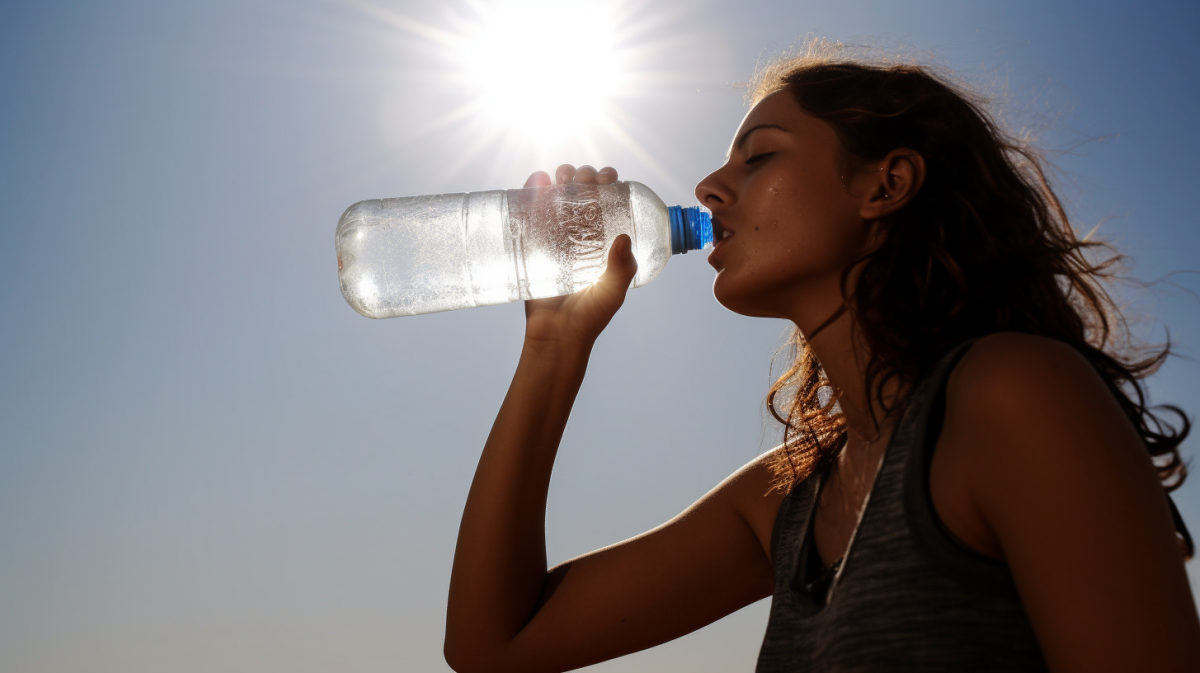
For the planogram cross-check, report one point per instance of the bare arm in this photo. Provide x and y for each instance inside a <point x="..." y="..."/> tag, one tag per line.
<point x="500" y="560"/>
<point x="1062" y="479"/>
<point x="506" y="610"/>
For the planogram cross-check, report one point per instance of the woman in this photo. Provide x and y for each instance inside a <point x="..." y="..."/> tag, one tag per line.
<point x="988" y="493"/>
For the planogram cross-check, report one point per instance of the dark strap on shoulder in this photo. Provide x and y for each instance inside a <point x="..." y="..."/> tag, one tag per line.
<point x="1185" y="538"/>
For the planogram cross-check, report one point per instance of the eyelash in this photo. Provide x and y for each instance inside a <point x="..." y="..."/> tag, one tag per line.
<point x="758" y="157"/>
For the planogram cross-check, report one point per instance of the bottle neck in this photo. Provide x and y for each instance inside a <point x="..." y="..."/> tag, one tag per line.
<point x="691" y="228"/>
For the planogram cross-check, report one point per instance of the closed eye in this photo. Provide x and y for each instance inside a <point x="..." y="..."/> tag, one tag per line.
<point x="758" y="157"/>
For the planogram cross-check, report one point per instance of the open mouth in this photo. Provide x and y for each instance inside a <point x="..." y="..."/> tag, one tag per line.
<point x="720" y="233"/>
<point x="720" y="236"/>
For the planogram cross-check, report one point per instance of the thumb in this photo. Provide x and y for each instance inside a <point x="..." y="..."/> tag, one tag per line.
<point x="622" y="265"/>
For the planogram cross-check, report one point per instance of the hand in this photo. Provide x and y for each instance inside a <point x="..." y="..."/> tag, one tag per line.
<point x="576" y="320"/>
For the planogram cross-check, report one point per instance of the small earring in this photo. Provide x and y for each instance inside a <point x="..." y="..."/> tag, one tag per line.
<point x="886" y="196"/>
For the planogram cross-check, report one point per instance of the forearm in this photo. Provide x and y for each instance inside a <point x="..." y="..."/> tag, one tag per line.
<point x="500" y="560"/>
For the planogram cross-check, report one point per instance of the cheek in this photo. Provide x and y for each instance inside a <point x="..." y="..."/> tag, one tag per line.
<point x="823" y="227"/>
<point x="798" y="232"/>
<point x="801" y="208"/>
<point x="786" y="256"/>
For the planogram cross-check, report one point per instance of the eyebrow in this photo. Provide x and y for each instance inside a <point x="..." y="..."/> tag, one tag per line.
<point x="742" y="140"/>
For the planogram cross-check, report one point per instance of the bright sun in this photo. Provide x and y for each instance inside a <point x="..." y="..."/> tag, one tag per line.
<point x="545" y="71"/>
<point x="534" y="82"/>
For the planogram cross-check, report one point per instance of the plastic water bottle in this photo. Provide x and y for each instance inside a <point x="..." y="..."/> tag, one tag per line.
<point x="424" y="254"/>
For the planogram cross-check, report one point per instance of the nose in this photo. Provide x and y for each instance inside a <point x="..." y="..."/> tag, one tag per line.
<point x="713" y="191"/>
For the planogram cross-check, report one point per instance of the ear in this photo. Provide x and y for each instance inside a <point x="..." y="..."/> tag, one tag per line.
<point x="891" y="183"/>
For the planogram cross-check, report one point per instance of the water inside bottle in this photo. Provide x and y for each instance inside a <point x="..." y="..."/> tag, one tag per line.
<point x="405" y="256"/>
<point x="424" y="254"/>
<point x="563" y="241"/>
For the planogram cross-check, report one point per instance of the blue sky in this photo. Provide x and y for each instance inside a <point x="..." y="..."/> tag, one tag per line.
<point x="209" y="461"/>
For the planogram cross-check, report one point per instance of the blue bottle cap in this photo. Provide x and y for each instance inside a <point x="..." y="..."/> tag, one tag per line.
<point x="691" y="228"/>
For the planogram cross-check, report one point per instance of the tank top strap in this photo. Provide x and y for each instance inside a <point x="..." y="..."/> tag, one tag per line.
<point x="906" y="597"/>
<point x="790" y="528"/>
<point x="941" y="548"/>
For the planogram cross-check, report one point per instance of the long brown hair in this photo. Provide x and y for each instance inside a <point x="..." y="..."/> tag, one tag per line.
<point x="985" y="246"/>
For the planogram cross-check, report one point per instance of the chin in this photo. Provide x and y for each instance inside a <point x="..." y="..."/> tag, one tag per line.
<point x="742" y="300"/>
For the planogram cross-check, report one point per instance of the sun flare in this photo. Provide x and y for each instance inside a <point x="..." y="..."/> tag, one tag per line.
<point x="532" y="83"/>
<point x="545" y="71"/>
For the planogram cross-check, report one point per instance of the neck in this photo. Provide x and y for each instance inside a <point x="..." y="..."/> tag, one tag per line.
<point x="844" y="358"/>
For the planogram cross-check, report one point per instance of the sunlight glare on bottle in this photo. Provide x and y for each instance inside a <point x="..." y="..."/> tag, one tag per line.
<point x="442" y="252"/>
<point x="489" y="280"/>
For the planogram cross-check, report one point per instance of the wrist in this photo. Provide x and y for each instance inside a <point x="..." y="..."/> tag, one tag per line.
<point x="556" y="359"/>
<point x="562" y="355"/>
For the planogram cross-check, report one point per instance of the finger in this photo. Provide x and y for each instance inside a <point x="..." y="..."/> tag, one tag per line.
<point x="622" y="266"/>
<point x="538" y="179"/>
<point x="606" y="176"/>
<point x="585" y="175"/>
<point x="564" y="173"/>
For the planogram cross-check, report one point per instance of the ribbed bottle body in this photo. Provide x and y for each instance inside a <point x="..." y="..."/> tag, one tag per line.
<point x="423" y="254"/>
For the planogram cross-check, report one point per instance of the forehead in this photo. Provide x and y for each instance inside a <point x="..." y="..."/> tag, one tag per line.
<point x="776" y="107"/>
<point x="779" y="109"/>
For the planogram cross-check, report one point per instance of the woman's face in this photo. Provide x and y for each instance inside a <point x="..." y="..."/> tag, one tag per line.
<point x="795" y="222"/>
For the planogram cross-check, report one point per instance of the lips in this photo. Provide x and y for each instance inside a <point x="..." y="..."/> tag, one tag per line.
<point x="720" y="231"/>
<point x="721" y="235"/>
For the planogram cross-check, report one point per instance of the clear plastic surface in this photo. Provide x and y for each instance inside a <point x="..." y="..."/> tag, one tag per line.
<point x="424" y="254"/>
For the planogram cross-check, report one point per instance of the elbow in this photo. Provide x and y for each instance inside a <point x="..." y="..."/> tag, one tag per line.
<point x="468" y="658"/>
<point x="476" y="660"/>
<point x="456" y="661"/>
<point x="461" y="664"/>
<point x="456" y="658"/>
<point x="461" y="651"/>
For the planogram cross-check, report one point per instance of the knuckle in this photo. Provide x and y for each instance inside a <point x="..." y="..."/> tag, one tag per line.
<point x="565" y="173"/>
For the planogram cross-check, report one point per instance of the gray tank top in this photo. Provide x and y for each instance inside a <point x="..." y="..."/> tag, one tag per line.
<point x="905" y="596"/>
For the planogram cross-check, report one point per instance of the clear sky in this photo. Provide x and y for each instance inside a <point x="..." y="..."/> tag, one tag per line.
<point x="208" y="461"/>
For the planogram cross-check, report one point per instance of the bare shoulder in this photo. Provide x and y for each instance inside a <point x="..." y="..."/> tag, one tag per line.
<point x="1011" y="369"/>
<point x="1037" y="450"/>
<point x="1030" y="409"/>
